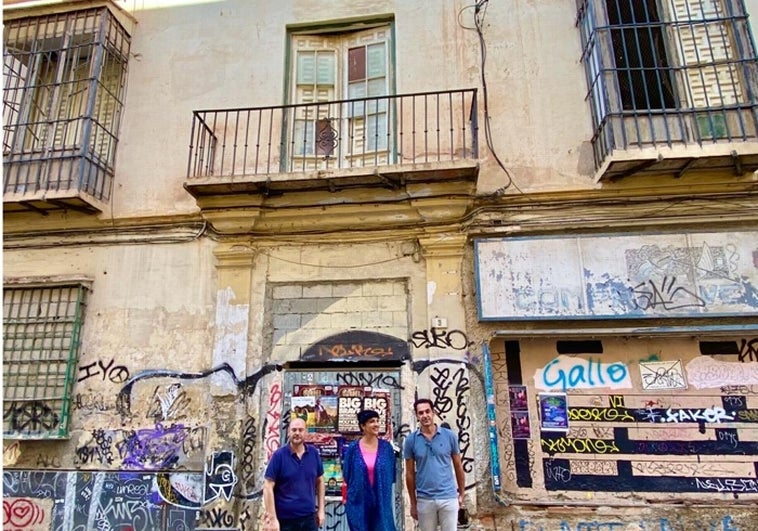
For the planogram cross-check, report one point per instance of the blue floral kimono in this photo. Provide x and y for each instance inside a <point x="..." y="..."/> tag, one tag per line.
<point x="369" y="508"/>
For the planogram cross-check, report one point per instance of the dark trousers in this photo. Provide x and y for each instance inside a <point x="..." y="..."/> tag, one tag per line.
<point x="305" y="523"/>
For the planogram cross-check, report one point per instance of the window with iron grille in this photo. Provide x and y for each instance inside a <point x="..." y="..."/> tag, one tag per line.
<point x="64" y="84"/>
<point x="41" y="336"/>
<point x="667" y="71"/>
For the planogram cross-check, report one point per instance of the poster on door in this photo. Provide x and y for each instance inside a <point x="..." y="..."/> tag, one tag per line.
<point x="331" y="416"/>
<point x="317" y="405"/>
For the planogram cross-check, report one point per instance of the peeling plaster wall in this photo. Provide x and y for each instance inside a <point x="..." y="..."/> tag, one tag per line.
<point x="140" y="406"/>
<point x="150" y="445"/>
<point x="148" y="319"/>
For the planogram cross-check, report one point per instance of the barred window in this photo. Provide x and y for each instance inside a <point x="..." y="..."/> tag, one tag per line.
<point x="64" y="87"/>
<point x="638" y="34"/>
<point x="668" y="71"/>
<point x="41" y="338"/>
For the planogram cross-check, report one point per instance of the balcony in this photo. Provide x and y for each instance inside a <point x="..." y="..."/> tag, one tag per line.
<point x="387" y="142"/>
<point x="672" y="87"/>
<point x="677" y="142"/>
<point x="65" y="79"/>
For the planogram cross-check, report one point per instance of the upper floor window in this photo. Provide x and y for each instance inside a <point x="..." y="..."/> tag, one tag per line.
<point x="660" y="72"/>
<point x="64" y="83"/>
<point x="341" y="110"/>
<point x="343" y="77"/>
<point x="41" y="331"/>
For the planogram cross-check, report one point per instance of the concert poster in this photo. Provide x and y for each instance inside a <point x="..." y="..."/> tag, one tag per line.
<point x="349" y="403"/>
<point x="379" y="401"/>
<point x="553" y="411"/>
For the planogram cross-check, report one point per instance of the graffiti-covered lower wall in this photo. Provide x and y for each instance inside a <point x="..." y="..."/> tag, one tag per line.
<point x="180" y="396"/>
<point x="620" y="383"/>
<point x="645" y="418"/>
<point x="75" y="501"/>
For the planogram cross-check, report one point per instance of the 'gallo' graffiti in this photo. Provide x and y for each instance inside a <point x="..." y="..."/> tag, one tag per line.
<point x="575" y="373"/>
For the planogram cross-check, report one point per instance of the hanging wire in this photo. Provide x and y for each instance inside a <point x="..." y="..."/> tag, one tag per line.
<point x="480" y="11"/>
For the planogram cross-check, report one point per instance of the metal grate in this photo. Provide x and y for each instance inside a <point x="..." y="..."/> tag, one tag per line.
<point x="64" y="86"/>
<point x="41" y="327"/>
<point x="668" y="71"/>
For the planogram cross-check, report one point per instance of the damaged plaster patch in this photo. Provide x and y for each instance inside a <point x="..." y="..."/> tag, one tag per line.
<point x="230" y="343"/>
<point x="431" y="289"/>
<point x="706" y="373"/>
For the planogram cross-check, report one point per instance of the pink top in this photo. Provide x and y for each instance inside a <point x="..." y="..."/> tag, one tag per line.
<point x="369" y="457"/>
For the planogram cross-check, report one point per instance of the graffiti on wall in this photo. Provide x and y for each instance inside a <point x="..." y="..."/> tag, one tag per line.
<point x="82" y="501"/>
<point x="30" y="416"/>
<point x="451" y="387"/>
<point x="272" y="419"/>
<point x="159" y="447"/>
<point x="155" y="482"/>
<point x="565" y="372"/>
<point x="220" y="478"/>
<point x="615" y="441"/>
<point x="24" y="513"/>
<point x="661" y="523"/>
<point x="169" y="403"/>
<point x="440" y="338"/>
<point x="659" y="375"/>
<point x="357" y="345"/>
<point x="11" y="453"/>
<point x="748" y="350"/>
<point x="125" y="399"/>
<point x="630" y="275"/>
<point x="705" y="372"/>
<point x="108" y="371"/>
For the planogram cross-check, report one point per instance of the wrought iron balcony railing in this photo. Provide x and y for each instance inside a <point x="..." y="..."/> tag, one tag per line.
<point x="401" y="129"/>
<point x="669" y="76"/>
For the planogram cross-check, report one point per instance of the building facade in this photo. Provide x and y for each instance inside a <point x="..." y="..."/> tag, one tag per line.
<point x="540" y="215"/>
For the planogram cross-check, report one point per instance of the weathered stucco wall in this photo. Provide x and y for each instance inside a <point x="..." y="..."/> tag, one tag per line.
<point x="149" y="310"/>
<point x="166" y="429"/>
<point x="179" y="393"/>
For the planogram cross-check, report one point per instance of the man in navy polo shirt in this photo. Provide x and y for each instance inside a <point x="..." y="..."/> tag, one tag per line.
<point x="293" y="493"/>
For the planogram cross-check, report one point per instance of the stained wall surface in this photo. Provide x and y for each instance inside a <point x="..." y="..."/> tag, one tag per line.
<point x="194" y="334"/>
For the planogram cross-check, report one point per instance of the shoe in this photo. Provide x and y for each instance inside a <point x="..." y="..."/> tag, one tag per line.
<point x="463" y="518"/>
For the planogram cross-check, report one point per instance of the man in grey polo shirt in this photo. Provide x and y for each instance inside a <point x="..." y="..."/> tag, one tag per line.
<point x="429" y="453"/>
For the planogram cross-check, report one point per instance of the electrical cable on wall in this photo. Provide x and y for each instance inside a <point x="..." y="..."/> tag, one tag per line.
<point x="480" y="11"/>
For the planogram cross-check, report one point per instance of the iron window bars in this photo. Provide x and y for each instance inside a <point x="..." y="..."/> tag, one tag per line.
<point x="661" y="72"/>
<point x="41" y="339"/>
<point x="64" y="86"/>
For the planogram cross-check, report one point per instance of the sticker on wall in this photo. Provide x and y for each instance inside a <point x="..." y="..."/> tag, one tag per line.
<point x="520" y="426"/>
<point x="662" y="375"/>
<point x="553" y="412"/>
